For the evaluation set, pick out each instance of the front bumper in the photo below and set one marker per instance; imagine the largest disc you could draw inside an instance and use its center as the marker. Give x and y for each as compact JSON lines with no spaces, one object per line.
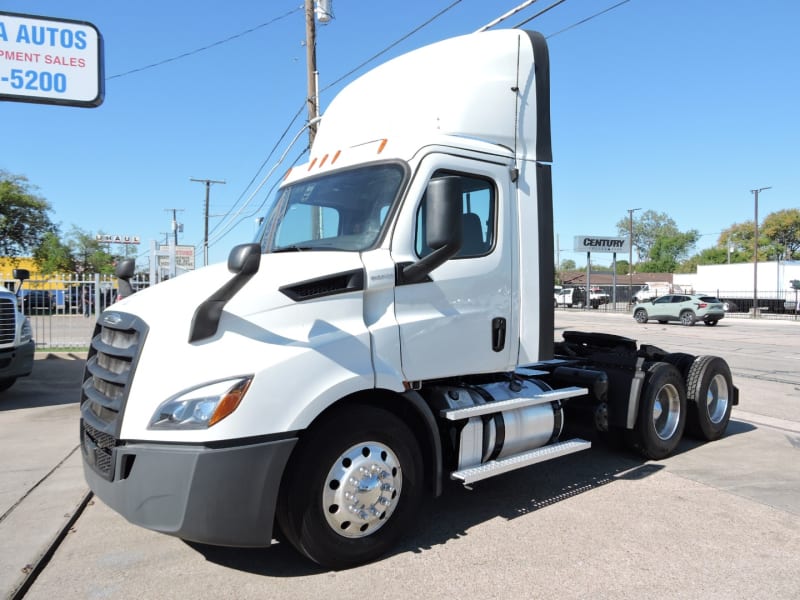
{"x":17,"y":362}
{"x":220,"y":496}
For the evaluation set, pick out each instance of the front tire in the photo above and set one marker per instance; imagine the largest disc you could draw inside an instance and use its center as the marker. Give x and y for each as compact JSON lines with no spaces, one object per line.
{"x":662,"y":412}
{"x":640,"y":316}
{"x":709,"y":388}
{"x":6,"y":383}
{"x":688,"y":318}
{"x":351,"y":488}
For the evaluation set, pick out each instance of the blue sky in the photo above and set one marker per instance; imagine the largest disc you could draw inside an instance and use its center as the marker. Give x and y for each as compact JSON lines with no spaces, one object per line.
{"x":680,"y":106}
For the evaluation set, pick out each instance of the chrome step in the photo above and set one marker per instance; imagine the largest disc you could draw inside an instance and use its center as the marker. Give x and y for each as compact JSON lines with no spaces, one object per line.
{"x":453,"y":414}
{"x":517,"y":461}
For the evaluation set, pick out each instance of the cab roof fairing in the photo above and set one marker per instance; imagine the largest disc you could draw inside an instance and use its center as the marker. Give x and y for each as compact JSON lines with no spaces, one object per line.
{"x":482,"y":86}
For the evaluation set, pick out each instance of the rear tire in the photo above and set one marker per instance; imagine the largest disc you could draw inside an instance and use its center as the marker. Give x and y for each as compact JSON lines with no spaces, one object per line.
{"x":709,"y":389}
{"x":352,"y":487}
{"x":687,"y":318}
{"x":6,"y":383}
{"x":662,"y":412}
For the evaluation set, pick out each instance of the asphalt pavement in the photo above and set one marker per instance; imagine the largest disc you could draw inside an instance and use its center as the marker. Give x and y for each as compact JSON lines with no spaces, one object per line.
{"x":718,"y":520}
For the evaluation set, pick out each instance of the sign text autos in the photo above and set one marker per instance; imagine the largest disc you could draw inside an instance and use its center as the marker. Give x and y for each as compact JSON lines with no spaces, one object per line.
{"x":51,"y":61}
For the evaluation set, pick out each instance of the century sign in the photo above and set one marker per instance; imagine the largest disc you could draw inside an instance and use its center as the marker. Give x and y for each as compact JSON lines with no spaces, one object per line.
{"x":596,"y":243}
{"x":50,"y":61}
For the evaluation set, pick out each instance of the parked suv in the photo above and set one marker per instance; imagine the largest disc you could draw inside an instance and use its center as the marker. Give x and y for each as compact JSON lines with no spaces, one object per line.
{"x":688,"y":309}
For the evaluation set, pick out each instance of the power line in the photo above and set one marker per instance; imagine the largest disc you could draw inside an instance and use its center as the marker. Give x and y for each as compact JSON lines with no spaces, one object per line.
{"x":204,"y":48}
{"x":283,"y":135}
{"x":589,"y":18}
{"x":392,"y":45}
{"x":539,"y":14}
{"x":231,"y":226}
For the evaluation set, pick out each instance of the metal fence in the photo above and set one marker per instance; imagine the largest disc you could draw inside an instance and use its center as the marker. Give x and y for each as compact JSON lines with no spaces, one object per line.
{"x":66,"y":319}
{"x":738,"y":304}
{"x":63,"y":309}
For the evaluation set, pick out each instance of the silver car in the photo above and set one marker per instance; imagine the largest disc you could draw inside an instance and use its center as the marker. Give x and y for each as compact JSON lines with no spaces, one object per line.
{"x":686,"y":308}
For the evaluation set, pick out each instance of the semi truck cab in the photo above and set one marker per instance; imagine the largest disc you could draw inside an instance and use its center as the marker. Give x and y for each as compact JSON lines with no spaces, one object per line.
{"x":390,"y":327}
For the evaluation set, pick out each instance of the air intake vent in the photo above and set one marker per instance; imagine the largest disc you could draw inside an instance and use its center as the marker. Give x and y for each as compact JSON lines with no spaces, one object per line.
{"x":329,"y":285}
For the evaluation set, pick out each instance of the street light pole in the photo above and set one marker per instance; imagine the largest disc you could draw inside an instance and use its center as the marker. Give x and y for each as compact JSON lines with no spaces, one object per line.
{"x":755,"y":252}
{"x":630,"y":252}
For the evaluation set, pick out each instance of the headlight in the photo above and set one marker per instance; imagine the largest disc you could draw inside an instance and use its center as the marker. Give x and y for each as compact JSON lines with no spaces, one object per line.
{"x":202,"y":407}
{"x":25,"y":333}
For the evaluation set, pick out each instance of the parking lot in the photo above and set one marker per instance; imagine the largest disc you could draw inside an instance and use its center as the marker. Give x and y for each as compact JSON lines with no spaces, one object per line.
{"x":720,"y":520}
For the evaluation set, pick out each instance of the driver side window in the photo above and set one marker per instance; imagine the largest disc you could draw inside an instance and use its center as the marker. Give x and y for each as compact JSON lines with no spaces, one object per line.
{"x":478,"y":219}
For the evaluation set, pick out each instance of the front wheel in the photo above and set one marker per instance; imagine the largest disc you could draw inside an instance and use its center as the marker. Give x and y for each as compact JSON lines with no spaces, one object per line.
{"x":662,"y":412}
{"x":709,"y":387}
{"x":640,"y":316}
{"x":351,"y":488}
{"x":687,"y":318}
{"x":6,"y":383}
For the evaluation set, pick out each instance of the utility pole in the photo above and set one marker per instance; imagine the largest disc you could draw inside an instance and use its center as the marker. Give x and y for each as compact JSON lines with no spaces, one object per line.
{"x":630,"y":253}
{"x":174,"y":222}
{"x":755,"y":252}
{"x":208,"y":183}
{"x":312,"y":74}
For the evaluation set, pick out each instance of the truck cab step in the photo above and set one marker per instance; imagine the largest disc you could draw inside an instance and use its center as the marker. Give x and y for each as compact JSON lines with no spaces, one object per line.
{"x":517,"y":461}
{"x":454,"y":414}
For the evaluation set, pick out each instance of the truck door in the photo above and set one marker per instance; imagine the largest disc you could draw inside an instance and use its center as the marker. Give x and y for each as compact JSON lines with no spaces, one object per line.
{"x":460,"y":320}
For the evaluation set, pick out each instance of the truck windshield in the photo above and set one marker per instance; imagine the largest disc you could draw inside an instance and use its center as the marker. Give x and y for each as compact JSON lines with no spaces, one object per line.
{"x":345,"y":210}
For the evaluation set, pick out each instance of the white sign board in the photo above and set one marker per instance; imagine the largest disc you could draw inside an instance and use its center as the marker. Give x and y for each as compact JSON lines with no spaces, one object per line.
{"x":50,"y":61}
{"x":105,"y":238}
{"x":596,"y":243}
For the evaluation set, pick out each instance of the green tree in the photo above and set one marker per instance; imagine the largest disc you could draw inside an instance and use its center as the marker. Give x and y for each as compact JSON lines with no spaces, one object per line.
{"x":53,"y":255}
{"x":567,"y":265}
{"x":668,"y":250}
{"x":23,"y":216}
{"x":647,"y":228}
{"x":89,"y":255}
{"x":782,"y":228}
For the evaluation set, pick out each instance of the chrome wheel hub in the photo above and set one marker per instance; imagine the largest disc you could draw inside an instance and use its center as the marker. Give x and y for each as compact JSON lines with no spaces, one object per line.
{"x":666,"y":412}
{"x":717,"y":399}
{"x":361,"y":489}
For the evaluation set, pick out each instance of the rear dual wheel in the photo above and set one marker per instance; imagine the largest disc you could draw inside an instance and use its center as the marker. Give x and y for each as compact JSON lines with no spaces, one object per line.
{"x":710,"y":392}
{"x":662,"y":412}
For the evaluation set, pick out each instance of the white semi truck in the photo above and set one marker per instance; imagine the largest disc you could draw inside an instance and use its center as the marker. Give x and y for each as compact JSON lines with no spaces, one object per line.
{"x":391,"y":328}
{"x":16,"y":336}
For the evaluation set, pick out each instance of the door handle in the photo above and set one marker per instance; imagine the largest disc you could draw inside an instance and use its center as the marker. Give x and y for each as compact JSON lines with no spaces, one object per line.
{"x":498,"y":334}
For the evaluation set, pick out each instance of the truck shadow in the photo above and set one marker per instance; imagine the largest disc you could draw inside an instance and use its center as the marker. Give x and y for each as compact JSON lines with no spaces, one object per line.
{"x":459,"y":509}
{"x":55,"y":380}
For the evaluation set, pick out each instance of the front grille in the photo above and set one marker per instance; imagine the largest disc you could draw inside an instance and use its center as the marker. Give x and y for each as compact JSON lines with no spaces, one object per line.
{"x":8,"y":320}
{"x":115,"y":348}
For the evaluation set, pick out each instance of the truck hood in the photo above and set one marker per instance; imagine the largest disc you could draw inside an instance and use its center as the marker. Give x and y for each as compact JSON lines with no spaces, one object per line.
{"x":171,"y":304}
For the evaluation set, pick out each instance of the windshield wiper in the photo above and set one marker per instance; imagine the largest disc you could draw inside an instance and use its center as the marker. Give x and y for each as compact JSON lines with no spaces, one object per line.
{"x":292,"y":248}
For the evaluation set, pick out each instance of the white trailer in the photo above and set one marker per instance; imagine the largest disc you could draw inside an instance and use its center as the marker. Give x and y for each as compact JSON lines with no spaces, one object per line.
{"x":733,"y":284}
{"x":391,"y":327}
